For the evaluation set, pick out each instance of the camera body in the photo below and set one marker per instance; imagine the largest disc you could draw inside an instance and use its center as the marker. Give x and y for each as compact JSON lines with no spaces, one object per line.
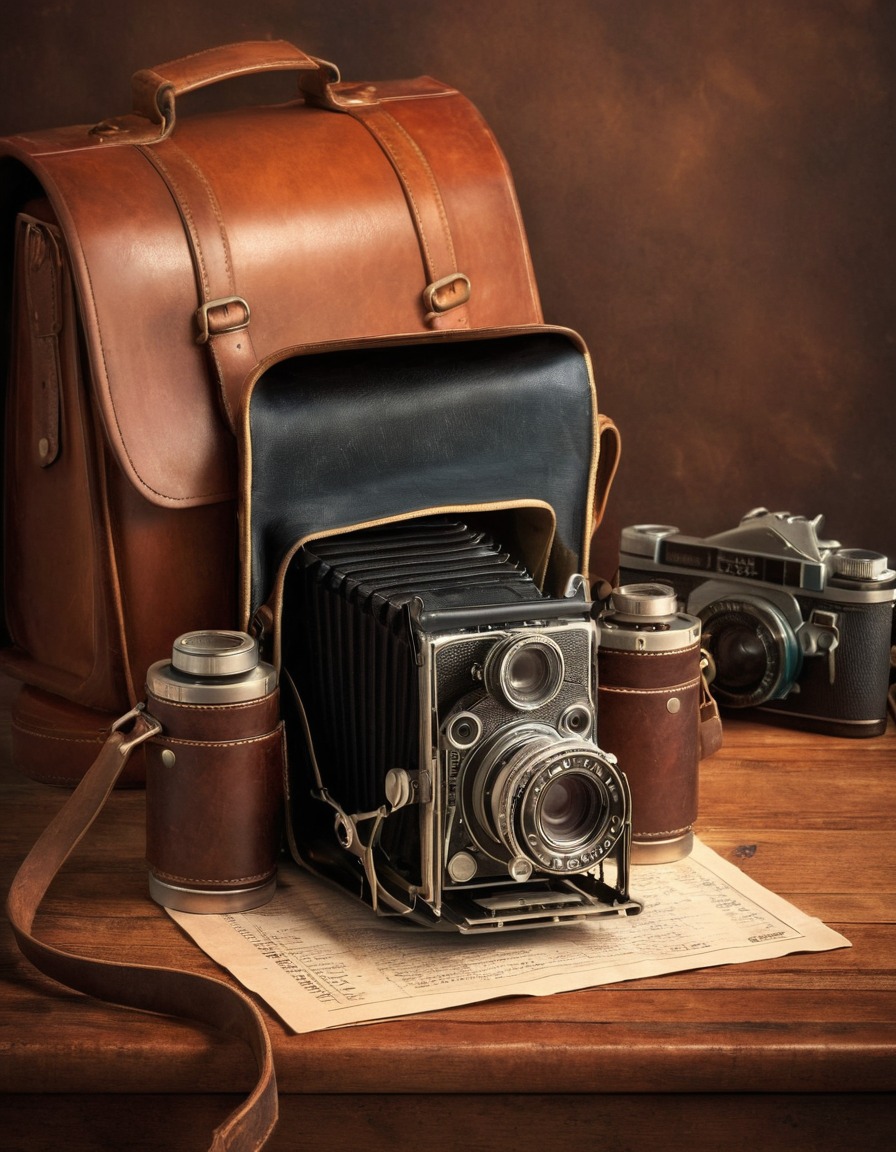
{"x":797,"y":628}
{"x":443,"y":762}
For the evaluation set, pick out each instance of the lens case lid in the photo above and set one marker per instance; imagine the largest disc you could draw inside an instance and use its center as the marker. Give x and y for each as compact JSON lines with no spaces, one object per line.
{"x":214,"y":652}
{"x":644,"y":601}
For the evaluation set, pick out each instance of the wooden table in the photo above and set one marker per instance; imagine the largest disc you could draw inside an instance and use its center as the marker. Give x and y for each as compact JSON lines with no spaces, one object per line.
{"x":796,"y":1053}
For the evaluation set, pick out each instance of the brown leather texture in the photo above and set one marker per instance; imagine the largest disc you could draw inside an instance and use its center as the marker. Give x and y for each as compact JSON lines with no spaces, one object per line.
{"x":59,"y":740}
{"x":299,"y":212}
{"x":709,"y":192}
{"x":658,"y":749}
{"x":214,"y":792}
{"x":154,"y":989}
{"x":169,"y":257}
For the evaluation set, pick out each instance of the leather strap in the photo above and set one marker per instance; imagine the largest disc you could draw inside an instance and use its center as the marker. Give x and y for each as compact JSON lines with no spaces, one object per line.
{"x":447,"y":288}
{"x":165,"y":990}
{"x":222,"y":318}
{"x":42,"y":263}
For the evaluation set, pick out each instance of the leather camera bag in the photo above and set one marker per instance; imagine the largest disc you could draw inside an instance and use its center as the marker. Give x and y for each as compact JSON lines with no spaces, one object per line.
{"x":149,"y":263}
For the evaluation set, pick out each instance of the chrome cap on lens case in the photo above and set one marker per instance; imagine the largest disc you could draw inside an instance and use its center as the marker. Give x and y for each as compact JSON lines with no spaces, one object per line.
{"x":212,"y":666}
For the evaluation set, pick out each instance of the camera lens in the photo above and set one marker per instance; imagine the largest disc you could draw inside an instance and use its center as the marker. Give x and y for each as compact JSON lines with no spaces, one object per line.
{"x":740,"y":657}
{"x":559,"y":803}
{"x":754,"y":650}
{"x":570,"y":811}
{"x":526,"y":672}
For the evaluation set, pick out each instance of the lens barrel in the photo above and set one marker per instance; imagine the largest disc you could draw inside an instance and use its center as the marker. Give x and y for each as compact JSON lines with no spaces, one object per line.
{"x":754,"y":650}
{"x":558,"y":804}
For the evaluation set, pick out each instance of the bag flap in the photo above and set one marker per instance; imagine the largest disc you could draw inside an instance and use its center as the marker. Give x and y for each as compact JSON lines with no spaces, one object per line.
{"x":337,"y":439}
{"x":302,"y":209}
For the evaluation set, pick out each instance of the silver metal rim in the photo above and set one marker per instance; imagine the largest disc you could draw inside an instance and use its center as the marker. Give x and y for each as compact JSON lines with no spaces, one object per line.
{"x":644,"y":601}
{"x":214,"y":652}
{"x":202,"y":901}
{"x":167,"y":683}
{"x":662,"y":851}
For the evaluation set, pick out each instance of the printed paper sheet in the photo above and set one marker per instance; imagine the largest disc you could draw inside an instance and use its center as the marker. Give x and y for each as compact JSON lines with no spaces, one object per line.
{"x":320,"y":959}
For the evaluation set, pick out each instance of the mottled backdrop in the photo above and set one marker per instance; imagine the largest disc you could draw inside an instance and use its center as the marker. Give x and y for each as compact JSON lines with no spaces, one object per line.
{"x":709,"y":191}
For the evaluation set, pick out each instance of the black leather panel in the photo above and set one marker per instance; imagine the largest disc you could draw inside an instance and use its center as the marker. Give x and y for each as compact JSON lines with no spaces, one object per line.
{"x":345,"y":437}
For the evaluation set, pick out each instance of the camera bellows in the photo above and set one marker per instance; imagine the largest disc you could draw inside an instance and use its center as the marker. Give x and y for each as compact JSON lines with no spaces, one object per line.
{"x":357,"y":666}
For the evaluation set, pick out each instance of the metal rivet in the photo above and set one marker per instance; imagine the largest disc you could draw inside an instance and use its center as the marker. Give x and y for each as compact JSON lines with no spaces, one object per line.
{"x":168,"y":758}
{"x":43,"y":447}
{"x":673,"y":704}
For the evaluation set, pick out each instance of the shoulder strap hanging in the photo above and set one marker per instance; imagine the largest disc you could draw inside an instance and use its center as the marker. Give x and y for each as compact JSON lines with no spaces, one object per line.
{"x":165,"y":990}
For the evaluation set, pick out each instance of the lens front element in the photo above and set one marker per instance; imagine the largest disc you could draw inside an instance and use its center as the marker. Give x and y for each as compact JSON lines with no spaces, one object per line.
{"x":755,"y":651}
{"x":570,"y":810}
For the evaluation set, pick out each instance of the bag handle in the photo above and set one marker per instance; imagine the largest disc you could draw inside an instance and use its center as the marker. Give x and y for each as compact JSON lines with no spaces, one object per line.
{"x":155,"y":90}
{"x":169,"y":990}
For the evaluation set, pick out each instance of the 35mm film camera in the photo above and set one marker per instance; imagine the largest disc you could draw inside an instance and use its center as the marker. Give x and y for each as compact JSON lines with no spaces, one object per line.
{"x":443,"y":761}
{"x":797,"y":627}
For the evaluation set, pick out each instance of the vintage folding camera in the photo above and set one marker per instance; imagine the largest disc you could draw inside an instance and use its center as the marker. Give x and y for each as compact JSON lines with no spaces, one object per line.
{"x":797,"y":627}
{"x":443,"y":763}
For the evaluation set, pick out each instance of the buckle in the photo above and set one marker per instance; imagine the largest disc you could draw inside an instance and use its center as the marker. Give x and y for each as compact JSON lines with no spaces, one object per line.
{"x":144,"y":729}
{"x":202,"y":315}
{"x":437,"y":298}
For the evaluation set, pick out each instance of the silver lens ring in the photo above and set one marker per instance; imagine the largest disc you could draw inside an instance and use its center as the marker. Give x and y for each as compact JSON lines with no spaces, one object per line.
{"x":214,"y":652}
{"x":463,"y":730}
{"x":559,"y":803}
{"x":637,"y":602}
{"x":576,"y":720}
{"x":524,"y":671}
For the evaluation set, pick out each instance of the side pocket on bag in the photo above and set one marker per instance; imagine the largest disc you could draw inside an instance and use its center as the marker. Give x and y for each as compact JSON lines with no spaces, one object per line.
{"x":56,"y":583}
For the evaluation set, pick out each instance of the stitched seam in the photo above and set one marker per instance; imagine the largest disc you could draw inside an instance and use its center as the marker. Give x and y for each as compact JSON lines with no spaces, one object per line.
{"x":219,"y":743}
{"x":228,"y":708}
{"x":650,"y":691}
{"x":205,"y":880}
{"x":382,"y":130}
{"x":216,"y":210}
{"x":661,"y":835}
{"x":655,"y":655}
{"x":42,"y":734}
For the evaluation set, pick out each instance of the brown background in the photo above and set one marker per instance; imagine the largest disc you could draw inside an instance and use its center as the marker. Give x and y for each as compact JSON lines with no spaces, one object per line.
{"x":708,"y":187}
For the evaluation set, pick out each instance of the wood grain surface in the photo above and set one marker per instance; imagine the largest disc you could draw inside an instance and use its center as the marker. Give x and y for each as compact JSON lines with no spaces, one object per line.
{"x":797,"y":1052}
